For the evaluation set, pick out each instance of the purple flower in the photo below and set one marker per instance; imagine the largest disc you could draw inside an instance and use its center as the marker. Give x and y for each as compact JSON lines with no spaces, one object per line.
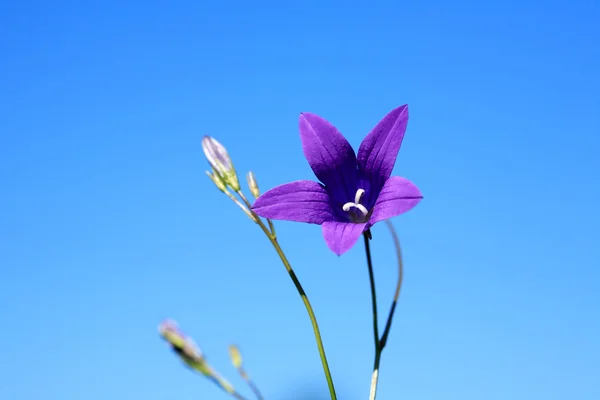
{"x":356,"y":191}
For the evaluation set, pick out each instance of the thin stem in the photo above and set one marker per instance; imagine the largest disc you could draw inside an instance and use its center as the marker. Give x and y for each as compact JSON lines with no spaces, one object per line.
{"x":388,"y":324}
{"x":250,"y":383}
{"x":309,"y":309}
{"x":373,"y":292}
{"x":271,"y":227}
{"x":301,"y":292}
{"x":375,"y":376}
{"x":226,"y":386}
{"x":255,"y":390}
{"x":238,"y":396}
{"x":240,"y":205}
{"x":380,"y":343}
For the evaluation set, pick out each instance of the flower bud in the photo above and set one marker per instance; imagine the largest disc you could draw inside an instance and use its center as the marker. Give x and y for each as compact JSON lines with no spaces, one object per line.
{"x":187,"y":350}
{"x":219,"y":159}
{"x":253,"y":185}
{"x":182,"y":345}
{"x":236,"y":356}
{"x":217,"y":180}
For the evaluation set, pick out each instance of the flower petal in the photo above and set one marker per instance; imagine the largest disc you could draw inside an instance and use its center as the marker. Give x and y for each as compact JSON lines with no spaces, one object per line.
{"x":378,"y":151}
{"x":341,"y":236}
{"x":398,"y":196}
{"x":330,"y":156}
{"x":300,"y":201}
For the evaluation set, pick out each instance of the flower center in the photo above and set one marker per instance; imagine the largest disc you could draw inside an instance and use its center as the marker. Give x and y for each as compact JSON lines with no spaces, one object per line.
{"x":356,"y":204}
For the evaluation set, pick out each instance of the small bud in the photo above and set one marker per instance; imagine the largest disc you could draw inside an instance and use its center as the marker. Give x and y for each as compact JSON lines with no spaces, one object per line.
{"x":219,"y":159}
{"x":217,"y":180}
{"x":182,"y":345}
{"x":187,"y":350}
{"x":253,"y":185}
{"x":235,"y":355}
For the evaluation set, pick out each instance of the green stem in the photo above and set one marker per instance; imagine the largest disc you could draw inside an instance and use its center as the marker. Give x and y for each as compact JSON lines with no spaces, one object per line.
{"x":373,"y":293}
{"x":378,"y":348}
{"x":226,"y":386}
{"x":388,"y":324}
{"x":240,"y":205}
{"x":255,"y":390}
{"x":250,"y":383}
{"x":380,"y":343}
{"x":271,"y":227}
{"x":375,"y":376}
{"x":300,"y":289}
{"x":238,"y":396}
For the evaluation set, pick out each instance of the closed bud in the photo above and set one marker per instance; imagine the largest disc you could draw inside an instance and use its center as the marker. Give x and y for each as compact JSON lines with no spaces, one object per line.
{"x":236,"y":356}
{"x":182,"y":345}
{"x":219,"y":159}
{"x":253,"y":185}
{"x":217,"y":180}
{"x":187,"y":350}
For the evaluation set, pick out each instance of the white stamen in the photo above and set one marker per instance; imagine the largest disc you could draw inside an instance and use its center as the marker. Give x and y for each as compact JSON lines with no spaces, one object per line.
{"x":362,"y":209}
{"x":359,"y":193}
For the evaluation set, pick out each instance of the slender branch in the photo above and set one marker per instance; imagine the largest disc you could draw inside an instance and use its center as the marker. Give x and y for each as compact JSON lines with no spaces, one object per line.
{"x":226,"y":386}
{"x":255,"y":390}
{"x":388,"y":324}
{"x":375,"y":376}
{"x":238,"y":396}
{"x":271,"y":227}
{"x":373,"y":292}
{"x":273,"y":239}
{"x":380,"y":343}
{"x":240,"y":205}
{"x":250,"y":383}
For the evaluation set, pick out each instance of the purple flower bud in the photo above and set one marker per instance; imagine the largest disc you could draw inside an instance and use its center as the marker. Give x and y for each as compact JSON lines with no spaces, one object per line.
{"x":181,"y":344}
{"x":219,"y":159}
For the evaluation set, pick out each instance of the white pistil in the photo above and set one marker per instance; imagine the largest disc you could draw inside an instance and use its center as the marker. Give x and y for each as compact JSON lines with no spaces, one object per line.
{"x":359,"y":193}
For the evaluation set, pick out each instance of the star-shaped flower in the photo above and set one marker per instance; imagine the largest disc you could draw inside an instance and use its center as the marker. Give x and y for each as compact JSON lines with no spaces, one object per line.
{"x":355,"y":191}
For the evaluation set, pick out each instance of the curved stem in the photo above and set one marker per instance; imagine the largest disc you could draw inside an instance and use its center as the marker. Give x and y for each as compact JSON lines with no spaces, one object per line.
{"x":300,"y":289}
{"x":388,"y":324}
{"x":380,"y":343}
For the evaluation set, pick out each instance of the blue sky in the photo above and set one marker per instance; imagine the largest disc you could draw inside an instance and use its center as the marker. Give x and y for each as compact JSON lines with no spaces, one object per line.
{"x":108,"y":224}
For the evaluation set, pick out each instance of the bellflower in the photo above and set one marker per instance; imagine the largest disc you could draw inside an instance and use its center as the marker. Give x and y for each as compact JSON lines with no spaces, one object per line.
{"x":356,"y":191}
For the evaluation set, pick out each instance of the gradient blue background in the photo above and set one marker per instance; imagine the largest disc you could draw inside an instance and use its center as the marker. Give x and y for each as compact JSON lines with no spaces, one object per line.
{"x":108,"y":223}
